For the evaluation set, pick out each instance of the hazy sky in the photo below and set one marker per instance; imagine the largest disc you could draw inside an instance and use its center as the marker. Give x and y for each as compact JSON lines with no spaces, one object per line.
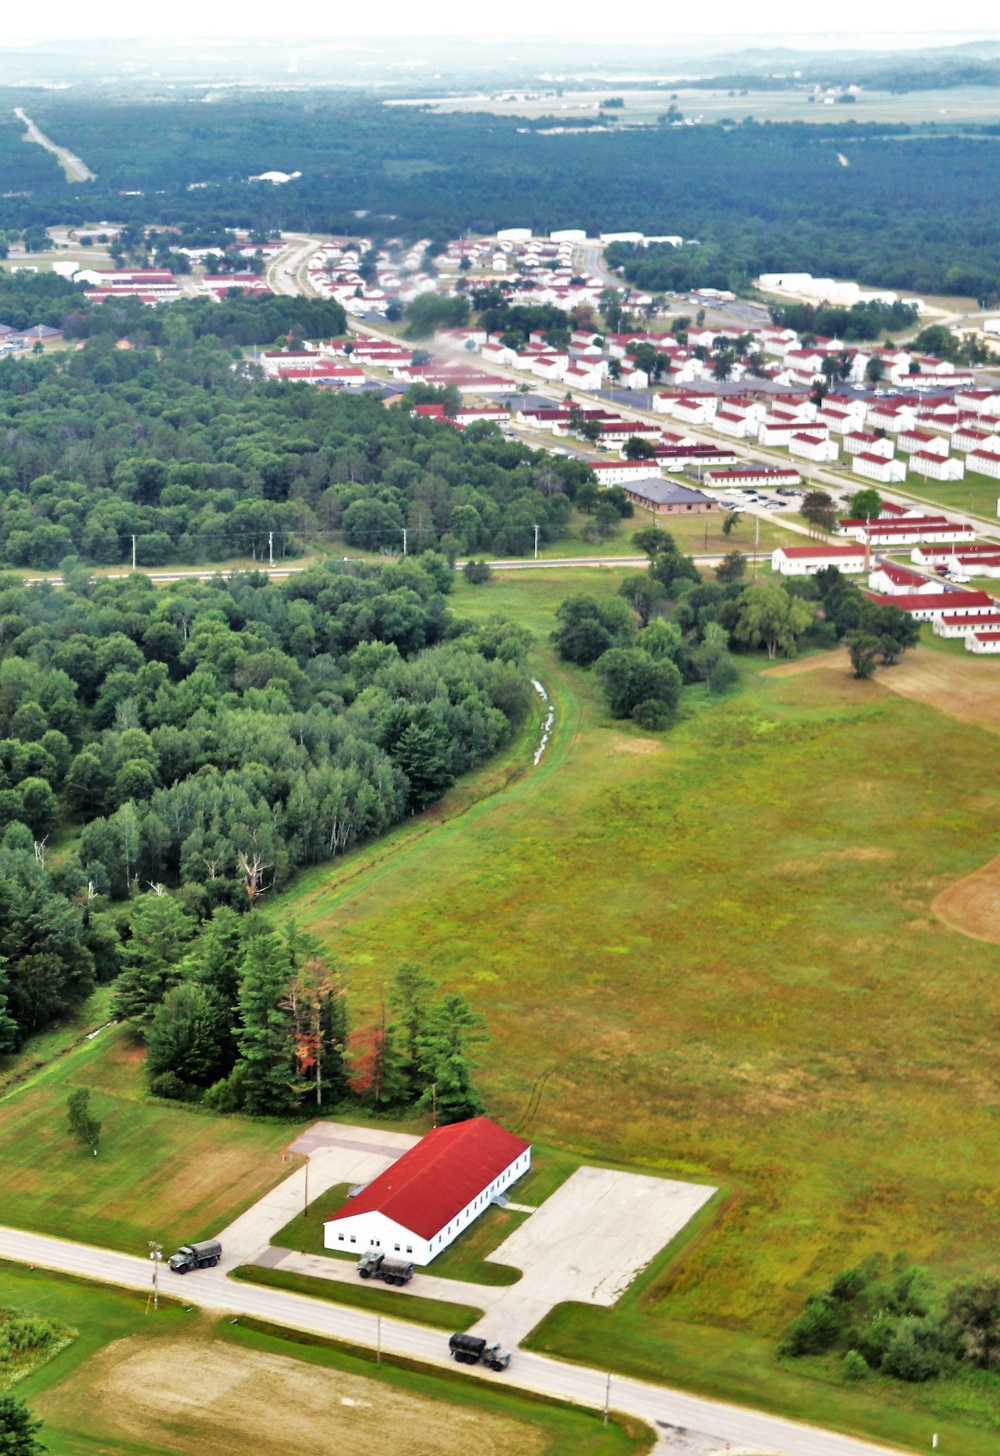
{"x":897,"y":22}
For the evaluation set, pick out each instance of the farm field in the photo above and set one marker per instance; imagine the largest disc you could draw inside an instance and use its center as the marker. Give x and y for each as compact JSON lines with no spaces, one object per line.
{"x":166,"y":1382}
{"x":714,"y":953}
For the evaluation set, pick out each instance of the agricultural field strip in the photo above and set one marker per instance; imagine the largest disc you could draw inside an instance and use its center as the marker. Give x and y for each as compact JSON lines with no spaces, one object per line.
{"x":210,"y":1289}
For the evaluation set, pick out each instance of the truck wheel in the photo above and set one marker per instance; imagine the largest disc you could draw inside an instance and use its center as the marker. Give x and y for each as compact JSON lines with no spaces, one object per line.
{"x":365,"y":1273}
{"x":212,"y":1262}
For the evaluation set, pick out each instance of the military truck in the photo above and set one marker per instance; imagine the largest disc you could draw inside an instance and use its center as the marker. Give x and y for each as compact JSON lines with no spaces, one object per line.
{"x":196,"y":1256}
{"x":374,"y":1264}
{"x":471,"y":1349}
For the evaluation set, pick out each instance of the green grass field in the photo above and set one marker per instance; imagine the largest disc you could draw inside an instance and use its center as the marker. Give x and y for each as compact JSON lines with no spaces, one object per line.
{"x":713,"y":953}
{"x":976,"y":493}
{"x":87,"y":1413}
{"x":695,"y":535}
{"x":164,"y":1171}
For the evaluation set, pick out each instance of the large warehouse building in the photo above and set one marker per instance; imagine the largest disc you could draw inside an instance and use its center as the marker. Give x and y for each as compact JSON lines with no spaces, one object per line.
{"x":419,"y":1205}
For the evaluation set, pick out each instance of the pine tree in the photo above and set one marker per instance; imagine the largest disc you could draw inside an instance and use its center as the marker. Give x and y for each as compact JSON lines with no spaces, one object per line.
{"x":266,"y":1035}
{"x":160,"y":930}
{"x":411,"y":996}
{"x":82,"y":1123}
{"x":445,"y":1064}
{"x":18,"y":1429}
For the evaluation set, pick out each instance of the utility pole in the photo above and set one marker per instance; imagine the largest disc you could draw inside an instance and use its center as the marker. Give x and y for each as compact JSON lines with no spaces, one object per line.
{"x":434,"y":1104}
{"x":305,"y":1204}
{"x":133,"y":553}
{"x":404,"y":540}
{"x":535,"y":529}
{"x":156,"y":1254}
{"x":378,"y":1339}
{"x":270,"y":547}
{"x":756,"y":544}
{"x":607,"y":1399}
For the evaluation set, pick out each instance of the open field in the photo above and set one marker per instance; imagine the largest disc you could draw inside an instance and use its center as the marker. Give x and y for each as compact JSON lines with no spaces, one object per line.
{"x":942,"y":673}
{"x":180,"y":1382}
{"x":689,"y":532}
{"x":957,"y":105}
{"x":972,"y":905}
{"x":713,"y":953}
{"x":164,"y":1171}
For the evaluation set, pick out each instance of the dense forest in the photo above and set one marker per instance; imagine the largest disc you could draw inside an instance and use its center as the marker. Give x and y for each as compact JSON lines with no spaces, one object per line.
{"x":185,"y":449}
{"x":758,"y":196}
{"x":215,"y":736}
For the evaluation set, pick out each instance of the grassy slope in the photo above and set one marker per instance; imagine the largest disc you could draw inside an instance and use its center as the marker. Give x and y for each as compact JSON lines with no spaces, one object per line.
{"x":101,"y":1315}
{"x":713,"y":954}
{"x":164,"y":1171}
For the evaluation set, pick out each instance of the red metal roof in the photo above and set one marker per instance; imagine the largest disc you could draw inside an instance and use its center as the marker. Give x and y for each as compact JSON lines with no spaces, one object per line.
{"x":429,"y":1185}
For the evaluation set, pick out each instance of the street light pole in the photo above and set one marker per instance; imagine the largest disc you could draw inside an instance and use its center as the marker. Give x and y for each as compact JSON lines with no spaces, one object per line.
{"x":305,"y":1206}
{"x":536,"y":542}
{"x":607,"y":1399}
{"x":156,"y":1254}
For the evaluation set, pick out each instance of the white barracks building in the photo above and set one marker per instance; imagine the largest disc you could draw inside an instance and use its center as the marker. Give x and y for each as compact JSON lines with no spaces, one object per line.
{"x":419,"y":1205}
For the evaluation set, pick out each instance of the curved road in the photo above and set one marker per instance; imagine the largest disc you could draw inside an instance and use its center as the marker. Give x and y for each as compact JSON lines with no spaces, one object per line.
{"x":662,"y":1408}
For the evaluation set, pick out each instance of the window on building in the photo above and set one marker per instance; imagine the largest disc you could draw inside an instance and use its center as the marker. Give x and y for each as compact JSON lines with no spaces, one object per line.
{"x":409,"y":1248}
{"x":396,"y":1247}
{"x":353,"y":1239}
{"x":340,"y":1237}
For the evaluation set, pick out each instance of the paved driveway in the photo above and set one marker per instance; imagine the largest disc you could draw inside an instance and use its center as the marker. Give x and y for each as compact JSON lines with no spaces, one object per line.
{"x":337,"y":1153}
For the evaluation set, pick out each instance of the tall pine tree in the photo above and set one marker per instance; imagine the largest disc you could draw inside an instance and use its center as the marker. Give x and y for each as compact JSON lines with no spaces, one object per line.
{"x":266,"y":1036}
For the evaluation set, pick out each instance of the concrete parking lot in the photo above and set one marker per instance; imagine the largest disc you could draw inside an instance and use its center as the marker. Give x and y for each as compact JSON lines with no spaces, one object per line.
{"x":587,"y":1243}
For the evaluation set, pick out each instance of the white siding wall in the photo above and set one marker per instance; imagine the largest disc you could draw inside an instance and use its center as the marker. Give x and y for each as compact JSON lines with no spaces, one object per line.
{"x":355,"y":1233}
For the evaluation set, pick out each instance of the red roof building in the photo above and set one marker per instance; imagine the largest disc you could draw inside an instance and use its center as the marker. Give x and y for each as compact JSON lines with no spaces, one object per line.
{"x":427,"y":1197}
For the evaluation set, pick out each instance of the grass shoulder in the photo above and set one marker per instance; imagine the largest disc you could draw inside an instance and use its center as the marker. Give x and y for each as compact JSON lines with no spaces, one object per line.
{"x":440,"y":1313}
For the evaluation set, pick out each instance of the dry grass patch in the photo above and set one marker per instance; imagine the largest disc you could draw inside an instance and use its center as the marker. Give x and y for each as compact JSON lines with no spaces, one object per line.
{"x":972,"y":905}
{"x":211,"y":1399}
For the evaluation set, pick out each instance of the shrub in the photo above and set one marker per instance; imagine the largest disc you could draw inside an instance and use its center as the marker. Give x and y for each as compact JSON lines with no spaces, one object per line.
{"x":815,"y":1330}
{"x":855,"y":1366}
{"x":477,"y":572}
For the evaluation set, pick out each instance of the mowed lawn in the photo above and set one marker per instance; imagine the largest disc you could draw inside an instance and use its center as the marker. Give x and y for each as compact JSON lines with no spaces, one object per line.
{"x":163,"y":1171}
{"x":713,"y":952}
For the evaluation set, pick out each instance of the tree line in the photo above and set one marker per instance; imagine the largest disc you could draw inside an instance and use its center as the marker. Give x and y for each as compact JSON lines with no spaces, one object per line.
{"x":214,"y":737}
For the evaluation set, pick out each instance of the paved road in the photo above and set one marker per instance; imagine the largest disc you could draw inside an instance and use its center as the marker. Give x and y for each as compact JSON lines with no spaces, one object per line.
{"x":75,"y":170}
{"x":661,"y":1407}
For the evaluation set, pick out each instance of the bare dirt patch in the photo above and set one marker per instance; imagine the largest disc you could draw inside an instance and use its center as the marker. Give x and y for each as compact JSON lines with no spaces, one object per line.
{"x":200,"y":1398}
{"x":972,"y":906}
{"x":966,"y":688}
{"x":636,"y":745}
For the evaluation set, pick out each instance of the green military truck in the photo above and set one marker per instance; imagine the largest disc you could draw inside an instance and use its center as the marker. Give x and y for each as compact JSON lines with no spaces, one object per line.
{"x":373,"y":1264}
{"x":471,"y":1349}
{"x":196,"y":1256}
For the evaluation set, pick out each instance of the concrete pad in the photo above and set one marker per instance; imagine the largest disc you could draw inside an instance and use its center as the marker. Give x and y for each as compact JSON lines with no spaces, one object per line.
{"x":591,"y":1238}
{"x":337,"y":1153}
{"x":587,"y":1243}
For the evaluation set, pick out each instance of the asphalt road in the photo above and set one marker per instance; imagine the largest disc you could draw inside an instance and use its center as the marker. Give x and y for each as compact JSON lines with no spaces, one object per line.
{"x":663,"y":1408}
{"x":75,"y":170}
